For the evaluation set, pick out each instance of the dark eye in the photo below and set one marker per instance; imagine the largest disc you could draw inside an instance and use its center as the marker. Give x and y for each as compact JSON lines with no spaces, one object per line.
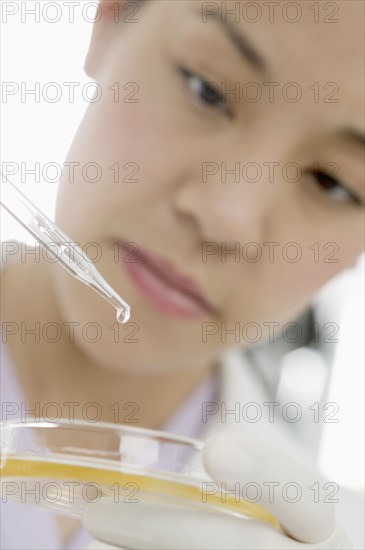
{"x":207,"y":93}
{"x":334,"y":188}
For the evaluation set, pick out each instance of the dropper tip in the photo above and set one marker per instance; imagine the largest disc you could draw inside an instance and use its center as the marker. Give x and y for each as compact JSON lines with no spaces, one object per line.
{"x":123,"y":315}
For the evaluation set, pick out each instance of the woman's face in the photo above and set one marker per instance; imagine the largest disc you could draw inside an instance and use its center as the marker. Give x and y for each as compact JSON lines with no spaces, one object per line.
{"x":242,"y":197}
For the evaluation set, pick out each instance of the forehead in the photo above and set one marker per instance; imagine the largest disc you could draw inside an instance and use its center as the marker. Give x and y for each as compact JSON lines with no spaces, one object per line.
{"x":327,"y":32}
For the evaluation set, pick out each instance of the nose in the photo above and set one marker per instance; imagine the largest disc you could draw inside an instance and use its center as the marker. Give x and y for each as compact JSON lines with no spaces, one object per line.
{"x":228,"y":200}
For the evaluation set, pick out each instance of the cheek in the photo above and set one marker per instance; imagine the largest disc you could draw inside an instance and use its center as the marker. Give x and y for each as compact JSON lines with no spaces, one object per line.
{"x":118,"y":144}
{"x":297,"y":282}
{"x":280,"y":289}
{"x":104,"y":170}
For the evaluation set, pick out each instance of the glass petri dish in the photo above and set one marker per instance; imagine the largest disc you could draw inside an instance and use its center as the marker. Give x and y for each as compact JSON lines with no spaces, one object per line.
{"x":64,"y":466}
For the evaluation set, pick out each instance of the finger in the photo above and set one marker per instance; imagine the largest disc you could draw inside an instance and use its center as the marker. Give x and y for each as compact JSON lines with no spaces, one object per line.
{"x":284,"y":486}
{"x":159,"y":526}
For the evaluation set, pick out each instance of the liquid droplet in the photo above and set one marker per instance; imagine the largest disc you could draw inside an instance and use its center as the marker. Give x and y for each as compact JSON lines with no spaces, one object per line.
{"x":123,"y":315}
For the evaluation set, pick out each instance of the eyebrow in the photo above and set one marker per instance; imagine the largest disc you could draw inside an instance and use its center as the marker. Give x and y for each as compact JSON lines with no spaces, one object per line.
{"x":242,"y":44}
{"x":248,"y":51}
{"x":354,"y":135}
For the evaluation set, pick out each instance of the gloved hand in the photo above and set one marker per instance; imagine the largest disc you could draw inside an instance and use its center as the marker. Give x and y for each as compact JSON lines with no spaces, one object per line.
{"x":309,"y":523}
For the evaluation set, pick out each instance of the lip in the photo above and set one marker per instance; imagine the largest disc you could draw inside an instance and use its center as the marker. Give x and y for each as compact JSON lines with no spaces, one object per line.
{"x":163,"y":286}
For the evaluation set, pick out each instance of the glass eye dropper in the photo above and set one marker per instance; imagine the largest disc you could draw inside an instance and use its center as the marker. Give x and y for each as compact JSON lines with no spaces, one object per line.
{"x":67,"y":253}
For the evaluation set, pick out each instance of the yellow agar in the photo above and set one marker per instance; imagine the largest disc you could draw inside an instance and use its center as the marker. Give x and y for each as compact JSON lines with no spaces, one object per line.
{"x":22,"y":468}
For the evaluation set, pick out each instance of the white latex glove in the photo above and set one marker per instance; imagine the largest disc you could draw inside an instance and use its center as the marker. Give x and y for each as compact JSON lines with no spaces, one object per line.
{"x":229,"y":458}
